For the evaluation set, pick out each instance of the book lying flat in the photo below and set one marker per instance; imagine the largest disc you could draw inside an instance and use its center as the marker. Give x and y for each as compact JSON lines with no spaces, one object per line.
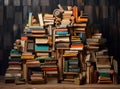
{"x":25,"y":57}
{"x":105,"y":82}
{"x":41,"y":40}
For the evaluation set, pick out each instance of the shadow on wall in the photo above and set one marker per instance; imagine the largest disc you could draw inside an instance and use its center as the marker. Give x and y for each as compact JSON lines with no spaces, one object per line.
{"x":4,"y":55}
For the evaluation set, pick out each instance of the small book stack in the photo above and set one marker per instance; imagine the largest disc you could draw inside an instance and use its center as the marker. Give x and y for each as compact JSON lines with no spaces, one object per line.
{"x":95,"y":41}
{"x":66,"y":18}
{"x":14,"y":69}
{"x":34,"y":27}
{"x":104,"y":67}
{"x":27,"y":56}
{"x":79,"y":37}
{"x":35,"y":75}
{"x":71,"y":61}
{"x":62,"y":39}
{"x":48,"y":65}
{"x":76,"y":43}
{"x":49,"y":19}
{"x":71,"y":65}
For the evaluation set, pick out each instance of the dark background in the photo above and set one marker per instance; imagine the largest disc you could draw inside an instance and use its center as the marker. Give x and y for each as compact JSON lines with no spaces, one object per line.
{"x":103,"y":15}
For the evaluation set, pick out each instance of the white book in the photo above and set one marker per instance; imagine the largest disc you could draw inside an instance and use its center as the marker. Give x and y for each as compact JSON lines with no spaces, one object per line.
{"x":40,"y":19}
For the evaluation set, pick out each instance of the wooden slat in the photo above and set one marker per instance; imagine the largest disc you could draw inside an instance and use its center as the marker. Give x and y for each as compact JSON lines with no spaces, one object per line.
{"x":16,"y":2}
{"x":10,"y":11}
{"x":89,"y":9}
{"x":63,"y":2}
{"x":1,"y":2}
{"x":104,"y":12}
{"x":27,"y":2}
{"x":18,"y":17}
{"x":1,"y":15}
{"x":44,"y":3}
{"x":103,"y":2}
{"x":6,"y":2}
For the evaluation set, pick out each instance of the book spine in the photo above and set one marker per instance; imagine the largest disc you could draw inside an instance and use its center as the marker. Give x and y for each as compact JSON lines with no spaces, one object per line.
{"x":66,"y":66}
{"x":30,"y":19}
{"x":40,"y":19}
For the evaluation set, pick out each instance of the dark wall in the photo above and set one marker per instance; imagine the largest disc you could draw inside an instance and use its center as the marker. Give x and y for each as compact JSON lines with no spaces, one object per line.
{"x":103,"y":15}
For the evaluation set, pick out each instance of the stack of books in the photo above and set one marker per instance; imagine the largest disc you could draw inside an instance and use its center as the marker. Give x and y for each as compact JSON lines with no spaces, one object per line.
{"x":34,"y":73}
{"x":76,"y":43}
{"x":66,"y":18}
{"x":71,"y":65}
{"x":71,"y":61}
{"x":14,"y":69}
{"x":34,"y":28}
{"x":42,"y":43}
{"x":104,"y":67}
{"x":48,"y":64}
{"x":27,"y":56}
{"x":36,"y":76}
{"x":62,"y":39}
{"x":48,"y":19}
{"x":95,"y":41}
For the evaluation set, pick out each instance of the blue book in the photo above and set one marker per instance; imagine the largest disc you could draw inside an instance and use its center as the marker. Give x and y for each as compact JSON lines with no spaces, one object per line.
{"x":15,"y":59}
{"x":66,"y":66}
{"x":41,"y":47}
{"x":61,"y":33}
{"x":30,"y":19}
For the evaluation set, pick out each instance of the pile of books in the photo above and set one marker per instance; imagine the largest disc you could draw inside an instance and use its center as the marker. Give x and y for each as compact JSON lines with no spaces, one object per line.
{"x":36,"y":76}
{"x":76,"y":43}
{"x":71,"y":61}
{"x":14,"y":69}
{"x":72,"y":65}
{"x":95,"y":41}
{"x":34,"y":73}
{"x":66,"y":18}
{"x":48,"y":19}
{"x":48,"y":64}
{"x":104,"y":67}
{"x":62,"y":39}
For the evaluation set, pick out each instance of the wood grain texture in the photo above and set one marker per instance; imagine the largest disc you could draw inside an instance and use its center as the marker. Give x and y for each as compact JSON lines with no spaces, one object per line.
{"x":1,"y":15}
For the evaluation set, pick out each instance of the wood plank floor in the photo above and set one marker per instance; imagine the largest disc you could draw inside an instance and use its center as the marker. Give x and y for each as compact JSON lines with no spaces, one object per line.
{"x":52,"y":84}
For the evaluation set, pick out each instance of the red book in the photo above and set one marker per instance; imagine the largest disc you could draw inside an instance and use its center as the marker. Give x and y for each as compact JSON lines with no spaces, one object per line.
{"x":50,"y":69}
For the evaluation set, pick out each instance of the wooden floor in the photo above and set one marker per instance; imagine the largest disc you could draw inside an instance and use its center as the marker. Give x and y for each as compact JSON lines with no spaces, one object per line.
{"x":52,"y":84}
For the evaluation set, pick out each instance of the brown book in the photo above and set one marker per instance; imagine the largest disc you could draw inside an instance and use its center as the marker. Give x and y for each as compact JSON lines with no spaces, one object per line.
{"x":75,"y":12}
{"x":38,"y":31}
{"x":105,"y":82}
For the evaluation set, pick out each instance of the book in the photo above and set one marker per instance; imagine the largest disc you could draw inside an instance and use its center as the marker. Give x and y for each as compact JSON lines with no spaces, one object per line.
{"x":77,"y":47}
{"x":75,"y":13}
{"x":41,"y":47}
{"x":42,"y":54}
{"x":30,"y":19}
{"x":40,"y":19}
{"x":41,"y":40}
{"x":60,"y":7}
{"x":27,"y":57}
{"x":79,"y":24}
